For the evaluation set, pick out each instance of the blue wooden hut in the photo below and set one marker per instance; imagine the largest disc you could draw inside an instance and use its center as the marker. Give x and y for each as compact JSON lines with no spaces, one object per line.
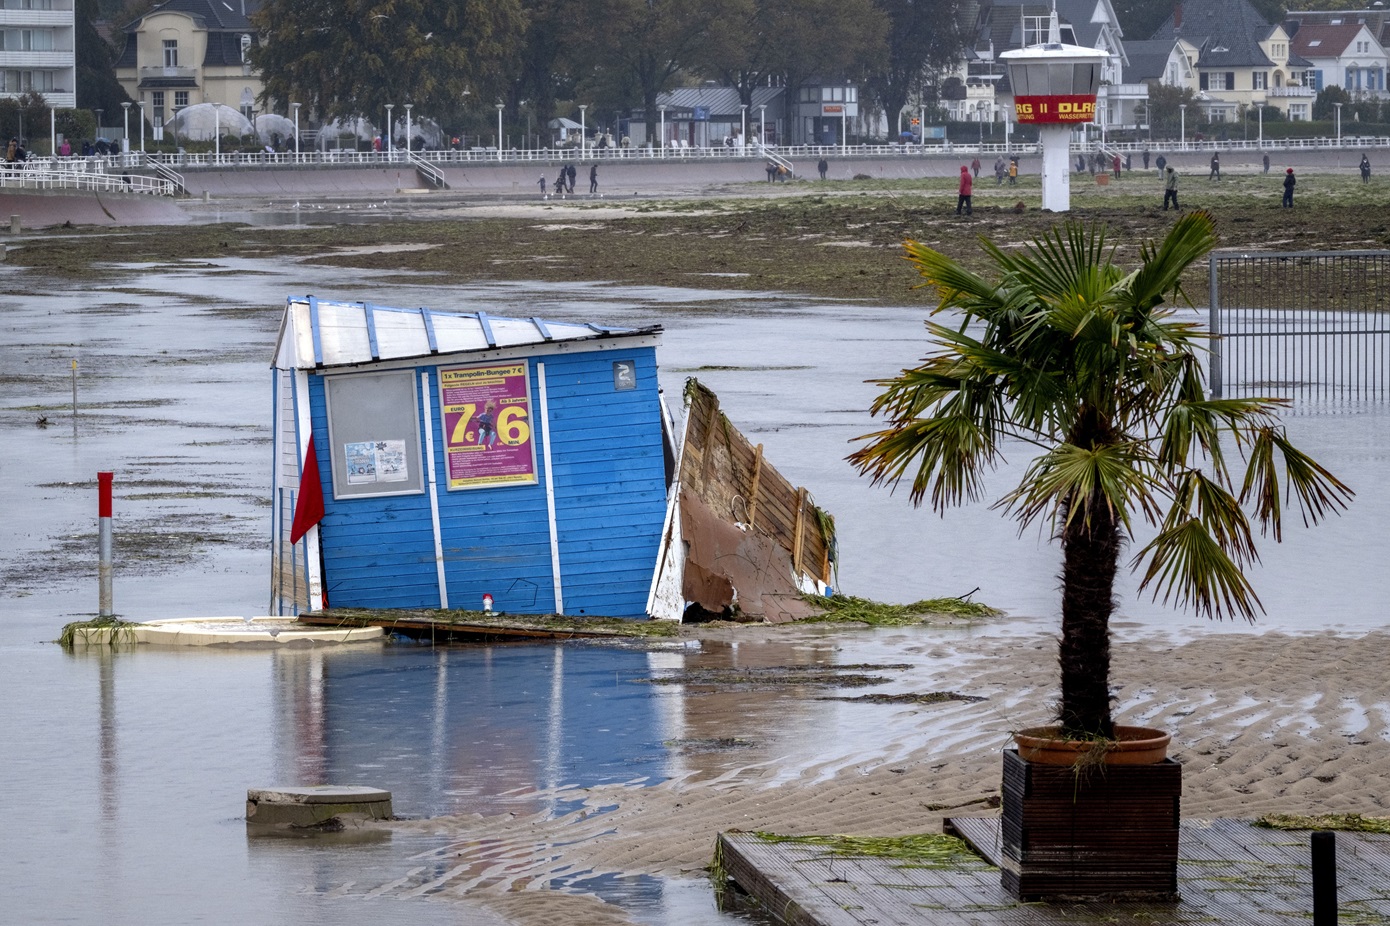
{"x":428,"y":459}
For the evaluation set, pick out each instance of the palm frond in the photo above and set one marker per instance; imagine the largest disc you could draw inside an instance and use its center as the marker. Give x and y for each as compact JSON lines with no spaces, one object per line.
{"x":1068,"y":482}
{"x":1317,"y":491}
{"x":1187,"y":564}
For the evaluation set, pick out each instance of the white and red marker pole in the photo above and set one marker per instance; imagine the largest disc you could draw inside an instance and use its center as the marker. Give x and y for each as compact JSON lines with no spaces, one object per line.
{"x":104,"y":532}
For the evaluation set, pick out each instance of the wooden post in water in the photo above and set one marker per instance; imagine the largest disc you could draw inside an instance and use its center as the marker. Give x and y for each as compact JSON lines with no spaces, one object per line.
{"x":104,"y":533}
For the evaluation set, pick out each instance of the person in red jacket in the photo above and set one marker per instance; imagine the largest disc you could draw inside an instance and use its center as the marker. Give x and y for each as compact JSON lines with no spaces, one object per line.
{"x":966,"y":187}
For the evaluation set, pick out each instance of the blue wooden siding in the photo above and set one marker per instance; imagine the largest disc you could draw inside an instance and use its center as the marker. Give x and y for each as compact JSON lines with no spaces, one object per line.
{"x":610,"y":498}
{"x":377,"y":552}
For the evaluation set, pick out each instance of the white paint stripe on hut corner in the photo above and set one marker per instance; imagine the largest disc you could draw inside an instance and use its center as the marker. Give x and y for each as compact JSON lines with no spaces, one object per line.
{"x":432,"y":486}
{"x":550,"y":494}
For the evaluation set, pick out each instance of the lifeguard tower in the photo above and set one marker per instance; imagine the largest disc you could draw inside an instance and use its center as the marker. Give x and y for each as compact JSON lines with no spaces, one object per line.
{"x":1055,"y":88}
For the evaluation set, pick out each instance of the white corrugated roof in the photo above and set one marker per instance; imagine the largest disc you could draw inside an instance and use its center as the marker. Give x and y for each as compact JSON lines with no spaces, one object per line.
{"x":318,"y":333}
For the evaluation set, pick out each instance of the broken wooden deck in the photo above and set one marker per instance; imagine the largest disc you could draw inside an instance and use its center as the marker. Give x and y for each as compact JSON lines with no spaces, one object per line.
{"x":1229,"y":871}
{"x":478,"y":627}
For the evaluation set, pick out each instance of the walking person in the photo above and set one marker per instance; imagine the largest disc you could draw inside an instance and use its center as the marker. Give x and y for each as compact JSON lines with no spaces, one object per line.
{"x":1160,"y":164}
{"x":1215,"y":166}
{"x":999,"y":170}
{"x":542,"y":183}
{"x":823,"y":166}
{"x":1115,"y":166}
{"x":1146,"y":158}
{"x":570,"y":173}
{"x":1266,"y":162}
{"x":1289,"y":183}
{"x":1170,"y":190}
{"x":975,"y":168}
{"x":1365,"y":168}
{"x":1013,"y":171}
{"x":967,"y":183}
{"x":593,"y":179}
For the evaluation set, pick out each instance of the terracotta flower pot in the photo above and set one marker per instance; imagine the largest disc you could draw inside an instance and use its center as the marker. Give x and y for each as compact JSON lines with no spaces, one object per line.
{"x":1131,"y":746}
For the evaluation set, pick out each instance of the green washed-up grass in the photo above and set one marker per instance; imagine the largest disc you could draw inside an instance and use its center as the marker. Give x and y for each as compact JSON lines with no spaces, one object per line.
{"x":1347,"y":822}
{"x":851,"y":609}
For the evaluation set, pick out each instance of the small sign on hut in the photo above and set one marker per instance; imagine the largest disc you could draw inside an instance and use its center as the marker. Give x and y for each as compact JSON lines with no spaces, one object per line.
{"x":439,"y":460}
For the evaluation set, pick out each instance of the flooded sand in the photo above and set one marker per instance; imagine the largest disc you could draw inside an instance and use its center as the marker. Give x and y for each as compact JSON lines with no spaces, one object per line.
{"x":128,"y":771}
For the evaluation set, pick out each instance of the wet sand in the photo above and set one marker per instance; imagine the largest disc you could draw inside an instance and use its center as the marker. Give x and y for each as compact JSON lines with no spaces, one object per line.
{"x":1262,"y":723}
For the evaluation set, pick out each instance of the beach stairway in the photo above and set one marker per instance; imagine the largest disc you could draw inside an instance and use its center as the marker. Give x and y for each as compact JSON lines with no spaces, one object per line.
{"x":430,"y":176}
{"x":165,"y":172}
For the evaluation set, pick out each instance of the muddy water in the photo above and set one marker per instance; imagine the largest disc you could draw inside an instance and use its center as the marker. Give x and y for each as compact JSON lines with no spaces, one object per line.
{"x":126,"y":774}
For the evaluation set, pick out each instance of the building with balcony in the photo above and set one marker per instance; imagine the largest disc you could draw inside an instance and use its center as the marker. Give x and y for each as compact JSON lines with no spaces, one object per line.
{"x":1227,"y":53}
{"x":37,"y":50}
{"x":1344,"y":52}
{"x":184,"y":52}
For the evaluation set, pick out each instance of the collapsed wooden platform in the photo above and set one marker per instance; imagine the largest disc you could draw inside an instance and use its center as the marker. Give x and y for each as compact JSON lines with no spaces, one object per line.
{"x":1229,"y":871}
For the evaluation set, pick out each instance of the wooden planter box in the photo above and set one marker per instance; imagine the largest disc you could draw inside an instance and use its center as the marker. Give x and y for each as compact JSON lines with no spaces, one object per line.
{"x":1107,"y":832}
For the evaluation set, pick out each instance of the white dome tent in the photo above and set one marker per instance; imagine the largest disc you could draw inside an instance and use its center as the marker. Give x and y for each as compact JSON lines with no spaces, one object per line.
{"x":268,"y":125}
{"x":200,"y":122}
{"x":331,"y":133}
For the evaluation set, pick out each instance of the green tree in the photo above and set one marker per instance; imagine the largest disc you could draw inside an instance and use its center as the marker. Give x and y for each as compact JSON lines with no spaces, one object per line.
{"x":1082,"y":360}
{"x":924,"y":37}
{"x":1323,"y":103}
{"x":1165,"y":116}
{"x":97,"y":87}
{"x":638,"y":47}
{"x":345,"y":58}
{"x":830,"y":39}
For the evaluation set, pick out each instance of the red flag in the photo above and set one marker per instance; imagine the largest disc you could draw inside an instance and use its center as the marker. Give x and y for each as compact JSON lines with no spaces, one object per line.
{"x":308,"y":509}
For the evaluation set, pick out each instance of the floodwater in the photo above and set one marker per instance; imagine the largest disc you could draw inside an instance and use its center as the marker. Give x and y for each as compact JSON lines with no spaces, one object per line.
{"x":126,"y":773}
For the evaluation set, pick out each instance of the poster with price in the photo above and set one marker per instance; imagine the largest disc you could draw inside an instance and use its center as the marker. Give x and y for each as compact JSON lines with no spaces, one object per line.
{"x":488,"y":427}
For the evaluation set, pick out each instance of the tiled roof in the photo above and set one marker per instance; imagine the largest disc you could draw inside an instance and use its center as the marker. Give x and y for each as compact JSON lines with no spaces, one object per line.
{"x":1148,"y":60}
{"x":1227,"y":32}
{"x":214,"y":15}
{"x":1317,"y":40}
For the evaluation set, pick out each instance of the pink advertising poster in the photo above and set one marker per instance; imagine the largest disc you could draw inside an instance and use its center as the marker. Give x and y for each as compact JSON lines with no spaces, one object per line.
{"x":488,"y":426}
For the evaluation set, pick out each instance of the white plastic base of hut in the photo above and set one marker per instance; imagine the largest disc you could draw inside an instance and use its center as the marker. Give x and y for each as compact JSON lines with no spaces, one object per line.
{"x":315,"y":806}
{"x":209,"y":631}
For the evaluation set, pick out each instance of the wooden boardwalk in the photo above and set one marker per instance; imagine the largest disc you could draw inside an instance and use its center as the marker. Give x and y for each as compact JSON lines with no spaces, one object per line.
{"x":1229,"y":871}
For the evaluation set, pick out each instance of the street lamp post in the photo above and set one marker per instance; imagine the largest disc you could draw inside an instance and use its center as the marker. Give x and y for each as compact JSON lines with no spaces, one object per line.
{"x":662,"y":139}
{"x":217,"y":131}
{"x":390,"y":131}
{"x":743,"y":126}
{"x":125,"y":127}
{"x":1182,"y":130}
{"x":980,"y":108}
{"x":1338,"y":108}
{"x":141,"y":104}
{"x":583,"y":129}
{"x":1261,"y":113}
{"x":407,"y":126}
{"x":21,"y":123}
{"x":294,"y":107}
{"x":762,"y":124}
{"x":500,"y":107}
{"x":53,"y":133}
{"x":844,"y":127}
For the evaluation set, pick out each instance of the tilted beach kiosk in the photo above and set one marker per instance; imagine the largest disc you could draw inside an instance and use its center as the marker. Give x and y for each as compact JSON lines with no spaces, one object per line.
{"x":437,"y":460}
{"x":1055,"y":87}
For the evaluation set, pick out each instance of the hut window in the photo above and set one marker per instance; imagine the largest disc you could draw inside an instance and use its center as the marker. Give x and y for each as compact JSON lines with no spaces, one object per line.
{"x":374,"y":433}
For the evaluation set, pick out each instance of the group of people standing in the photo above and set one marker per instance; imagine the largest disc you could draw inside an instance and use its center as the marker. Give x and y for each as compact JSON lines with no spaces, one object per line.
{"x":564,"y":180}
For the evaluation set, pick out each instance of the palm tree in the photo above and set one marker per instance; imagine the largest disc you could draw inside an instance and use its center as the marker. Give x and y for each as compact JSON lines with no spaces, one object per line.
{"x":1085,"y":362}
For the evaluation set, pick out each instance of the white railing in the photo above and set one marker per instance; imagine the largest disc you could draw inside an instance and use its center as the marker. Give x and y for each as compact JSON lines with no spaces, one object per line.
{"x":118,"y":164}
{"x":41,"y":176}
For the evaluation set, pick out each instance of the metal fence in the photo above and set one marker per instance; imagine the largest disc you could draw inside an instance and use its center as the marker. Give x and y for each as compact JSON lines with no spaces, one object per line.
{"x":1306,"y":325}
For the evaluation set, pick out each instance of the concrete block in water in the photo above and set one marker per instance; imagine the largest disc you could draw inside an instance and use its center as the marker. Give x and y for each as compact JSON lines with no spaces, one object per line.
{"x":315,"y":805}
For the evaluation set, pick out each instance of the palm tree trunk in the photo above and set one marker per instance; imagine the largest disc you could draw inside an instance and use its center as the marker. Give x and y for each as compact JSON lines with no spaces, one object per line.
{"x":1090,"y":555}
